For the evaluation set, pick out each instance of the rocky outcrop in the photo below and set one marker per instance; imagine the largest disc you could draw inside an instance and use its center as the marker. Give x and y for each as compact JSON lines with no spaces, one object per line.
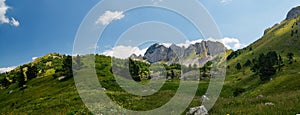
{"x":293,"y":13}
{"x":197,"y":53}
{"x":200,"y":110}
{"x":156,"y":53}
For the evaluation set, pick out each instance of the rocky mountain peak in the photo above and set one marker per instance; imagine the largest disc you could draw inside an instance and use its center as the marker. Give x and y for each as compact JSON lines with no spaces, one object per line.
{"x":293,"y":13}
{"x":197,"y":53}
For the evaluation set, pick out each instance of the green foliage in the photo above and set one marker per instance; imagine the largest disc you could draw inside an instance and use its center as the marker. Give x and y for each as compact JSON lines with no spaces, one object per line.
{"x":174,"y":66}
{"x":4,"y":82}
{"x":66,"y":69}
{"x":204,"y":71}
{"x":248,"y":63}
{"x":234,"y":54}
{"x":238,"y":91}
{"x":265,"y":66}
{"x":78,"y":63}
{"x":138,"y":70}
{"x":20,"y":78}
{"x":31,"y":72}
{"x":49,"y":73}
{"x":290,"y":57}
{"x":238,"y":66}
{"x":280,"y":63}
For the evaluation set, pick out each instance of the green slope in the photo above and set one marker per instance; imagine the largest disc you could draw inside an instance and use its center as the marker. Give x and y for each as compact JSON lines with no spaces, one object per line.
{"x":283,"y":90}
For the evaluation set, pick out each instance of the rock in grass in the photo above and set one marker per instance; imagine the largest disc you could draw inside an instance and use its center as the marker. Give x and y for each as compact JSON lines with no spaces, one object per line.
{"x":204,"y":98}
{"x":269,"y":104}
{"x":11,"y":91}
{"x":61,"y":78}
{"x":260,"y":96}
{"x":200,"y":110}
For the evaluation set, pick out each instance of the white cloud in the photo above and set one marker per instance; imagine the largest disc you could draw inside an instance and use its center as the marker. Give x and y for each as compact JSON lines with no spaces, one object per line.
{"x":124,"y":51}
{"x":3,"y":18}
{"x":225,"y":1}
{"x":14,"y":22}
{"x":186,"y":44}
{"x":155,"y":2}
{"x":33,"y":58}
{"x":7,"y":69}
{"x":230,"y":43}
{"x":110,"y":16}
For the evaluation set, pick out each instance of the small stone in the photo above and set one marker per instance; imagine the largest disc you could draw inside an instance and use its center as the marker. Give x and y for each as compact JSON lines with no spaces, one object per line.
{"x":61,"y":78}
{"x":269,"y":104}
{"x":260,"y":96}
{"x":204,"y":98}
{"x":200,"y":110}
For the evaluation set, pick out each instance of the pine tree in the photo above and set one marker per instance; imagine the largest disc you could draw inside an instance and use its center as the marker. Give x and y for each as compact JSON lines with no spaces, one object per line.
{"x":78,"y":62}
{"x":280,"y":63}
{"x":265,"y":66}
{"x":20,"y":78}
{"x":134,"y":70}
{"x":247,"y":64}
{"x":172,"y":74}
{"x":67,"y":67}
{"x":238,"y":66}
{"x":31,"y":72}
{"x":4,"y":82}
{"x":290,"y":57}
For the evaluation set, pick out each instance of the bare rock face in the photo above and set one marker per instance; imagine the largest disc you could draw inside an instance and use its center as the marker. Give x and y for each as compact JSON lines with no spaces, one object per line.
{"x":214,"y":48}
{"x":156,"y":53}
{"x":198,"y":53}
{"x":293,"y":13}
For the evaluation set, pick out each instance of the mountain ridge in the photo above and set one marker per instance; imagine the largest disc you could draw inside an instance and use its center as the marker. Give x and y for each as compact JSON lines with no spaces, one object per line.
{"x":195,"y":54}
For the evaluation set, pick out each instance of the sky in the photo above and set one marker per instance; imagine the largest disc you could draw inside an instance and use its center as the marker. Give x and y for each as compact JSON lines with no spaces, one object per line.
{"x":33,"y":28}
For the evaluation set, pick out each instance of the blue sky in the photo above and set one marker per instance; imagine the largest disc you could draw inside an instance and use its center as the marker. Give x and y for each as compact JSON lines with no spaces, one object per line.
{"x":33,"y":28}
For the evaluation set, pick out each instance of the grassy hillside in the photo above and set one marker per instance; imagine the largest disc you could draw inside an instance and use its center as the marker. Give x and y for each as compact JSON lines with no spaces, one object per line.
{"x":282,"y":89}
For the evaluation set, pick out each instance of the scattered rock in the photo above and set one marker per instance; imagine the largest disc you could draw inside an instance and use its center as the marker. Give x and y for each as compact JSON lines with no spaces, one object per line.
{"x":103,"y":89}
{"x":61,"y":78}
{"x":200,"y":110}
{"x":204,"y":98}
{"x":260,"y":96}
{"x":269,"y":104}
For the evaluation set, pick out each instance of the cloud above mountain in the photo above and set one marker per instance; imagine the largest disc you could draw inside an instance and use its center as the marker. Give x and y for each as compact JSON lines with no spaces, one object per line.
{"x":110,"y":16}
{"x":124,"y":51}
{"x":7,"y":69}
{"x":3,"y":18}
{"x":230,"y":43}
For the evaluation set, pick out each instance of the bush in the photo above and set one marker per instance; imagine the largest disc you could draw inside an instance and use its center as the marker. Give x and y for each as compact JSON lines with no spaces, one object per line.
{"x":238,"y":92}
